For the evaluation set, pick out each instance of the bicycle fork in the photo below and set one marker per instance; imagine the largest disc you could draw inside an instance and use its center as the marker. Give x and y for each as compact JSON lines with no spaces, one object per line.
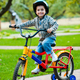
{"x":24,"y":58}
{"x":29,"y":52}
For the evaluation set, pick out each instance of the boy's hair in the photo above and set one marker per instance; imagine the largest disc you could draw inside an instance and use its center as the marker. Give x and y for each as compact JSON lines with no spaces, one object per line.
{"x":41,"y":2}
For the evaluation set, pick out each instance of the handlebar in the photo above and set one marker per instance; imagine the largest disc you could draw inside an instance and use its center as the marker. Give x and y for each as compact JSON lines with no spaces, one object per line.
{"x":12,"y":26}
{"x":28,"y":36}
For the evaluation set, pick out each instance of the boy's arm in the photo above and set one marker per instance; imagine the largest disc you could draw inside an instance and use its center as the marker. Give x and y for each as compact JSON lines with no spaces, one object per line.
{"x":53,"y":24}
{"x":27,"y":24}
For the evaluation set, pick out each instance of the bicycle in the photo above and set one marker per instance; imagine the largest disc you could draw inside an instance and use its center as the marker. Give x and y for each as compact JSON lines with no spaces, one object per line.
{"x":63,"y":67}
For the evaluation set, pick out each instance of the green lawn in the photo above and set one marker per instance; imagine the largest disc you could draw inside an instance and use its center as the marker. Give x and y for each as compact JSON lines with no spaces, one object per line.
{"x":69,"y":40}
{"x":14,"y":31}
{"x":60,"y":28}
{"x":8,"y":60}
{"x":69,"y":27}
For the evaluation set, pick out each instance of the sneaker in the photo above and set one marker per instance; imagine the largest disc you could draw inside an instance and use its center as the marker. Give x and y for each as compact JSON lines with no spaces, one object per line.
{"x":35,"y":71}
{"x":54,"y":57}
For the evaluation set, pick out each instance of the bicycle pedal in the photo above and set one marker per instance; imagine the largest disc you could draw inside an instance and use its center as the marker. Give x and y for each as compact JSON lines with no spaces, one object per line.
{"x":35,"y":73}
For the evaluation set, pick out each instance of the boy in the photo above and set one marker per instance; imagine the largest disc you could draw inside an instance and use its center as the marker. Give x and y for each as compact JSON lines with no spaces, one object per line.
{"x":42,"y":21}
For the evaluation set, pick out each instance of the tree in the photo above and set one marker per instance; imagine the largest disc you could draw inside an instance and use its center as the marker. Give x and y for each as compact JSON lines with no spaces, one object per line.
{"x":60,"y":8}
{"x":26,"y":8}
{"x":57,"y":8}
{"x":6,"y":7}
{"x":0,"y":25}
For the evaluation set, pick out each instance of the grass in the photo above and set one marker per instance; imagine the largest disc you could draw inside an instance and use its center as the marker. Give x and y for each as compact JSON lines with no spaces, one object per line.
{"x":14,"y":31}
{"x":69,"y":40}
{"x":69,"y":27}
{"x":60,"y":28}
{"x":10,"y":31}
{"x":8,"y":60}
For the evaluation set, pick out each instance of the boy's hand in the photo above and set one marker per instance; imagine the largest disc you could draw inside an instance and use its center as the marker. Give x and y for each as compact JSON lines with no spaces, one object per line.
{"x":49,"y":30}
{"x":12,"y":25}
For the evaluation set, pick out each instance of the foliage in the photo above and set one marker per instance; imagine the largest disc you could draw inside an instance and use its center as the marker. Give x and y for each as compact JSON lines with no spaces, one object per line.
{"x":71,"y":12}
{"x":57,"y":9}
{"x":4,"y":34}
{"x":23,"y":8}
{"x":2,"y":3}
{"x":5,"y":5}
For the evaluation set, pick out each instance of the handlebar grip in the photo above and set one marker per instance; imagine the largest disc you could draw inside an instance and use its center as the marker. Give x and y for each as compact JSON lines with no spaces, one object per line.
{"x":46,"y":31}
{"x":52,"y":32}
{"x":13,"y":26}
{"x":10,"y":26}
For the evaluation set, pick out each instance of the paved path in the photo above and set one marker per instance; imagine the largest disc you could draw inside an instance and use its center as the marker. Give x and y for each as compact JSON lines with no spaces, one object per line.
{"x":58,"y":34}
{"x":34,"y":47}
{"x":48,"y":77}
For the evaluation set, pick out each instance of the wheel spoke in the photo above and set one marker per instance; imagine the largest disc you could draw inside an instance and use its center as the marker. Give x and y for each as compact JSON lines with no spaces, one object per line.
{"x":18,"y":73}
{"x":61,"y":73}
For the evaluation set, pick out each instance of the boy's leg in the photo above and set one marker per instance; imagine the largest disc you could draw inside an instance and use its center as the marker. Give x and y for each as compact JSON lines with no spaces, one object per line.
{"x":38,"y":49}
{"x":47,"y":47}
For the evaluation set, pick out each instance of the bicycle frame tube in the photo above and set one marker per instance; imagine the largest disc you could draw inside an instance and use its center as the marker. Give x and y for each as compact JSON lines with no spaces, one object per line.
{"x":29,"y":52}
{"x":25,"y":68}
{"x":64,"y":51}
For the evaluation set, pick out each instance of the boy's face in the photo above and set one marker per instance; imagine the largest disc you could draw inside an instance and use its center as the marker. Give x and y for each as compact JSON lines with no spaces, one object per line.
{"x":40,"y":11}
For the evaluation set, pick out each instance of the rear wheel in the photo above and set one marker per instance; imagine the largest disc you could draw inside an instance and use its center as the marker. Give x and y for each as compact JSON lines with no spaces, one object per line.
{"x":19,"y":71}
{"x":64,"y":74}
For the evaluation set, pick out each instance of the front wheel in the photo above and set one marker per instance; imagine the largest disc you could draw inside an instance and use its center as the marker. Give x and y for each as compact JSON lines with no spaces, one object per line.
{"x":19,"y":69}
{"x":61,"y":73}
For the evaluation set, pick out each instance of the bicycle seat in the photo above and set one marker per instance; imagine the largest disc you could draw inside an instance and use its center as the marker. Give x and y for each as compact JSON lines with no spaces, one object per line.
{"x":54,"y":44}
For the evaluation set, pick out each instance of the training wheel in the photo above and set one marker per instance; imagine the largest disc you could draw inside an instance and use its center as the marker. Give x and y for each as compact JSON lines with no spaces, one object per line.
{"x":53,"y":77}
{"x":72,"y":77}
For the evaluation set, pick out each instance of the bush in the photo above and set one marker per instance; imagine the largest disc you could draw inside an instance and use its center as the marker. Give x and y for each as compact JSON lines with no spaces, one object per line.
{"x":4,"y":34}
{"x":66,"y":31}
